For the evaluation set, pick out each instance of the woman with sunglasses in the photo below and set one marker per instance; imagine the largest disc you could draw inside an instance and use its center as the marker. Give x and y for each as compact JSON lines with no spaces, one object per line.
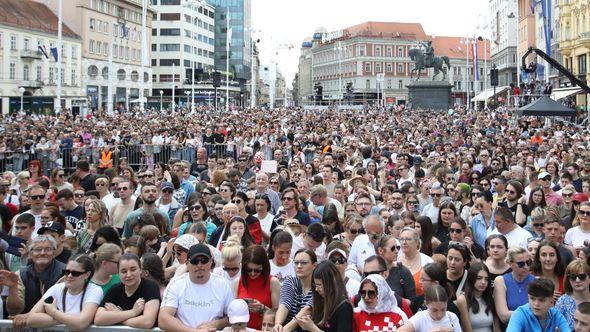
{"x":353,"y":227}
{"x":537,"y":220}
{"x":72,"y":302}
{"x":231,"y":258}
{"x":412,"y":204}
{"x":377,"y":308}
{"x":577,"y":290}
{"x":256,"y":285}
{"x":577,"y":199}
{"x":134,"y":302}
{"x":279,"y":255}
{"x":197,"y":212}
{"x":58,"y":180}
{"x":475,"y":177}
{"x":476,"y":304}
{"x":296,"y":292}
{"x":510,"y":289}
{"x":400,"y":278}
{"x":486,"y":184}
{"x":459,"y":234}
{"x":578,"y":235}
{"x":548,"y":263}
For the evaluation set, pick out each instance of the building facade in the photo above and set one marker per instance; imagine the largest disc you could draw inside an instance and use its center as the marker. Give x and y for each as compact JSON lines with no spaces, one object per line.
{"x":110,"y":27}
{"x":503,"y":49}
{"x":24,"y":27}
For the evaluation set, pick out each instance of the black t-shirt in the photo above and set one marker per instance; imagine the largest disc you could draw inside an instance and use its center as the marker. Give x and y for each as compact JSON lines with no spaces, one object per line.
{"x":74,"y":216}
{"x":148,"y":290}
{"x":88,"y":182}
{"x":64,"y":256}
{"x":341,"y":319}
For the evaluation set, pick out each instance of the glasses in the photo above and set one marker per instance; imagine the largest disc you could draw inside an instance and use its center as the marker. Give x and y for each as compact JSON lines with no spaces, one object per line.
{"x":584,"y":213}
{"x":114,"y":184}
{"x":242,"y":160}
{"x":477,"y":194}
{"x":523,"y":263}
{"x":60,"y":175}
{"x":547,"y":178}
{"x":37,"y":197}
{"x":435,"y":194}
{"x":100,"y":184}
{"x":257,"y":271}
{"x":168,"y":191}
{"x":195,"y":207}
{"x":406,"y":239}
{"x":231,"y":269}
{"x":237,"y":201}
{"x":511,"y":191}
{"x":338,"y":261}
{"x":368,"y":293}
{"x":40,"y":250}
{"x":356,"y":231}
{"x":455,"y":230}
{"x":573,"y":277}
{"x":567,"y":195}
{"x":177,"y":252}
{"x":273,"y":182}
{"x":302,"y":263}
{"x":395,"y":248}
{"x":288,"y":198}
{"x":122,"y":188}
{"x":200,"y":260}
{"x":78,"y":195}
{"x":537,"y":224}
{"x":73,"y":273}
{"x":366,"y":274}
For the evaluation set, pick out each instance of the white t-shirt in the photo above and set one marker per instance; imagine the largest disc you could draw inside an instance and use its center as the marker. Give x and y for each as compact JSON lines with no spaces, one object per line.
{"x":265,"y":223}
{"x":422,"y":322}
{"x":517,"y":237}
{"x":361,"y":249}
{"x":218,"y":271}
{"x":110,"y":200}
{"x":93,"y":295}
{"x":352,"y":287}
{"x":298,"y":244}
{"x":282,"y":272}
{"x":575,"y":237}
{"x":431,"y":212}
{"x":209,"y":300}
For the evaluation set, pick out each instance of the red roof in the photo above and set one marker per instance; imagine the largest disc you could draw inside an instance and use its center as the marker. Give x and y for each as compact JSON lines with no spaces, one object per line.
{"x":32,"y":16}
{"x":397,"y":30}
{"x":453,"y":48}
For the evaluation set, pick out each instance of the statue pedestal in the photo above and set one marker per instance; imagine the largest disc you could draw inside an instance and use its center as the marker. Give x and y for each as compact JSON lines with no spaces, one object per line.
{"x":429,"y":95}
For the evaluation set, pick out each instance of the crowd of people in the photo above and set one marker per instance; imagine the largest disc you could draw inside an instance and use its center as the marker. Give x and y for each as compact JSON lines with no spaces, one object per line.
{"x":292,"y":220}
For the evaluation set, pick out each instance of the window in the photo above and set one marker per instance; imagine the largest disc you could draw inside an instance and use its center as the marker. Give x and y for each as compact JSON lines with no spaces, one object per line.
{"x":360,"y":50}
{"x":389,"y":84}
{"x":187,"y":33}
{"x":187,"y":63}
{"x":12,"y":72}
{"x":13,"y":43}
{"x":169,"y":47}
{"x":92,"y":24}
{"x":105,"y":27}
{"x":170,"y":17}
{"x":26,"y":72}
{"x":133,"y":58}
{"x":115,"y":30}
{"x":74,"y":51}
{"x":121,"y":51}
{"x":154,"y":62}
{"x":400,"y":52}
{"x":187,"y":48}
{"x":105,"y":48}
{"x":98,"y":25}
{"x":377,"y":50}
{"x":105,"y":73}
{"x":154,"y":32}
{"x":368,"y":67}
{"x":115,"y":48}
{"x":121,"y":74}
{"x":400,"y":68}
{"x":459,"y":85}
{"x":73,"y":77}
{"x":154,"y":47}
{"x":169,"y":32}
{"x":170,"y":2}
{"x":52,"y":75}
{"x":91,"y":46}
{"x":368,"y":84}
{"x":169,"y":62}
{"x":134,"y":76}
{"x":99,"y":47}
{"x":400,"y":84}
{"x":126,"y":52}
{"x":38,"y":73}
{"x":26,"y":42}
{"x":582,"y":68}
{"x":388,"y":68}
{"x":378,"y":68}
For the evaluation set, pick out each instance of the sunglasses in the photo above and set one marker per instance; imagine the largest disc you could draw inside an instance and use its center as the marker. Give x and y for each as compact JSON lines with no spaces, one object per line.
{"x":395,"y":248}
{"x":73,"y":273}
{"x":567,"y":195}
{"x":370,"y":294}
{"x":249,"y":270}
{"x":288,"y":198}
{"x":547,"y":178}
{"x":78,"y":195}
{"x":584,"y":213}
{"x":195,"y":207}
{"x":366,"y":274}
{"x":356,"y":231}
{"x":122,"y":188}
{"x":231,"y":269}
{"x":338,"y":261}
{"x":237,"y":201}
{"x":199,"y":260}
{"x":435,"y":195}
{"x":537,"y":224}
{"x":168,"y":191}
{"x":523,"y":263}
{"x":37,"y":197}
{"x":455,"y":230}
{"x":582,"y":276}
{"x":477,"y":194}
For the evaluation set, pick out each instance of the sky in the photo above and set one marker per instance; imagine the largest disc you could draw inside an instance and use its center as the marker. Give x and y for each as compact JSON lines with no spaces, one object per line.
{"x":283,"y":23}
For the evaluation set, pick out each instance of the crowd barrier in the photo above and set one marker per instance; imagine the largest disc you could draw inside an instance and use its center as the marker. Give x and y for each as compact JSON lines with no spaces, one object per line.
{"x":6,"y":325}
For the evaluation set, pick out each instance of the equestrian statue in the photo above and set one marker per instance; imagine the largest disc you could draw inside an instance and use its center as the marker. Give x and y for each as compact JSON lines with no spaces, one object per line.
{"x":426,"y":59}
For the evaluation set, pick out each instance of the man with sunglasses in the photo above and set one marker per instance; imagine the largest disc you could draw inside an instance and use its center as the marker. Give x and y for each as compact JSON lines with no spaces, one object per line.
{"x":197,"y":299}
{"x":167,"y":203}
{"x":363,"y":245}
{"x":551,"y":197}
{"x":126,"y":205}
{"x":36,"y":203}
{"x":112,"y":197}
{"x":431,"y":210}
{"x":504,"y":224}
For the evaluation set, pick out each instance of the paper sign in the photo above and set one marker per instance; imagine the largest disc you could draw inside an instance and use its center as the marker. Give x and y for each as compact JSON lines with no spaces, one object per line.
{"x":269,"y":166}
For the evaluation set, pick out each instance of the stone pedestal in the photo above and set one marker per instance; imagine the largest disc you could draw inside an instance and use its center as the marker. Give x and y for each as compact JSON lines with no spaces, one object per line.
{"x":430,"y":95}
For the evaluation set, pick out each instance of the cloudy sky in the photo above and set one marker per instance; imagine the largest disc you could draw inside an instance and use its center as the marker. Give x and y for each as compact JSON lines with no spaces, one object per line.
{"x":288,"y":22}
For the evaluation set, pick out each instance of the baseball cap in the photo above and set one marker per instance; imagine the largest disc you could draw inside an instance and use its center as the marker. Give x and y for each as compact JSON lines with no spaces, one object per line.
{"x":337,"y":251}
{"x":316,"y":231}
{"x":166,"y":185}
{"x":238,"y":311}
{"x":199,"y":249}
{"x":186,"y":241}
{"x":580,"y":198}
{"x":53,"y":226}
{"x":542,"y":175}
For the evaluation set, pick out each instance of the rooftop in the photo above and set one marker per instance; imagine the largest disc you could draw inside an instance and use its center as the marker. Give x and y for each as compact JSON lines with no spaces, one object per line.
{"x":454,"y":49}
{"x":32,"y":16}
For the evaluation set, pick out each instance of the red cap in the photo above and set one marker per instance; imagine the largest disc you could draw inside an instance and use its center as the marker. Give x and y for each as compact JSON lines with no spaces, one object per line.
{"x":580,"y":197}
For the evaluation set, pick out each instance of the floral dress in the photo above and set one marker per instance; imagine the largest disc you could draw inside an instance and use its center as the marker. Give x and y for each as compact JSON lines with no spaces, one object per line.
{"x":567,"y":306}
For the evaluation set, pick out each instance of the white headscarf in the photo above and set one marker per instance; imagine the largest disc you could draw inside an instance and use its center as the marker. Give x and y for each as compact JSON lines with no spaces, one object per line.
{"x":386,"y":301}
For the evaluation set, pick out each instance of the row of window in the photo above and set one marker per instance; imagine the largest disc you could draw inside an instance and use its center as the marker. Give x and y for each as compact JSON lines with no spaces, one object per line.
{"x":121,"y":31}
{"x":196,"y":21}
{"x":187,"y":49}
{"x":176,"y":62}
{"x":26,"y":44}
{"x":112,"y":9}
{"x":388,"y":67}
{"x":121,"y":74}
{"x":38,"y":75}
{"x":199,"y":37}
{"x":119,"y":51}
{"x":201,"y":10}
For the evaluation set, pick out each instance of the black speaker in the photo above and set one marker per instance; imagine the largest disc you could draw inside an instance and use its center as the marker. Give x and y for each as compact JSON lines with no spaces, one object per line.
{"x":494,"y":77}
{"x":216,"y":79}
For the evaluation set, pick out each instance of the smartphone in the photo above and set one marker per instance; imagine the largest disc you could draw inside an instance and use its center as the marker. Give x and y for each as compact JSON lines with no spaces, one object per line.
{"x":49,"y":300}
{"x":14,"y":244}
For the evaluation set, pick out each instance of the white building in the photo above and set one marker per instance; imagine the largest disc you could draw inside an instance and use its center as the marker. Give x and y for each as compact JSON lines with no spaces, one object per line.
{"x":24,"y":26}
{"x":504,"y":25}
{"x":183,"y":37}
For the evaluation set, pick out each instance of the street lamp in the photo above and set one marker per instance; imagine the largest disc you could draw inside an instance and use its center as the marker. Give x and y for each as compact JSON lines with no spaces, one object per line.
{"x":209,"y":98}
{"x":161,"y":97}
{"x":22,"y":94}
{"x":466,"y":42}
{"x":339,"y":49}
{"x":380,"y":79}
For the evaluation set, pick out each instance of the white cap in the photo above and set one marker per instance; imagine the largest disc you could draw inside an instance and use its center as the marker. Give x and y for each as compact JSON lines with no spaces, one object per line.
{"x":238,"y":311}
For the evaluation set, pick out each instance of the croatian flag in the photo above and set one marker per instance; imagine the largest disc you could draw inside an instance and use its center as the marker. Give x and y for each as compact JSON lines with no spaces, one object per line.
{"x":43,"y":51}
{"x":474,"y":57}
{"x":54,"y":53}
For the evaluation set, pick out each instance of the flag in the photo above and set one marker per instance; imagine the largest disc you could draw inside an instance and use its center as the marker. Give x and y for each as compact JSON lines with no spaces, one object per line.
{"x":533,"y":8}
{"x":54,"y":53}
{"x":474,"y":56}
{"x":124,"y":31}
{"x":43,"y":51}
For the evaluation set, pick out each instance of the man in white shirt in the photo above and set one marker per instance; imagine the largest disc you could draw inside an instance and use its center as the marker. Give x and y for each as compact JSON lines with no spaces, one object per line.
{"x":431,"y":210}
{"x":505,"y":225}
{"x":312,"y":239}
{"x":319,"y":198}
{"x":364,"y":244}
{"x":197,"y":299}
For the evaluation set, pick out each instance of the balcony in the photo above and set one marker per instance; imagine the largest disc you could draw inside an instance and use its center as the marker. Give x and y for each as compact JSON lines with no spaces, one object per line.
{"x":32,"y":84}
{"x":584,"y":37}
{"x":30,"y":54}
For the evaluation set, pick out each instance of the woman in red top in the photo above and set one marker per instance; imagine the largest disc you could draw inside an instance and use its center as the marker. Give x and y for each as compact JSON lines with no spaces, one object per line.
{"x":548,"y":264}
{"x":256,"y":286}
{"x":377,"y":309}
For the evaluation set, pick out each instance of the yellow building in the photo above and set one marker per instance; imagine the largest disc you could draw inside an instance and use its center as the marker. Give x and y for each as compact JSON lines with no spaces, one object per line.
{"x":574,"y":44}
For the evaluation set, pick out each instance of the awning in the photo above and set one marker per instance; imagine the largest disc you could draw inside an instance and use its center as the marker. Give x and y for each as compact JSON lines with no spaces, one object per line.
{"x":489,"y":93}
{"x":561,"y":93}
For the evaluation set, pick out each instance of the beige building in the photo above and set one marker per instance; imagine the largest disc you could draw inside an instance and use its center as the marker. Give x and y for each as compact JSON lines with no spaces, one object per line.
{"x":110,"y":26}
{"x":24,"y":27}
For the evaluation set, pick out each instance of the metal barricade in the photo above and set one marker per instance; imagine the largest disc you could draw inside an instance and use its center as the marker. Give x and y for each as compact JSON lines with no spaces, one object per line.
{"x":6,"y":325}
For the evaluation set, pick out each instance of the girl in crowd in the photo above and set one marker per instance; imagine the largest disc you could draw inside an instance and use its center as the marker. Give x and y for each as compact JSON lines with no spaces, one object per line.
{"x":153,"y":269}
{"x":133,"y":302}
{"x":105,"y":234}
{"x":353,"y":226}
{"x":476,"y":305}
{"x":96,"y":217}
{"x":331,"y":220}
{"x":296,"y":291}
{"x":425,"y":229}
{"x":58,"y":180}
{"x":458,"y":259}
{"x":410,"y":256}
{"x":72,"y":302}
{"x":476,"y":191}
{"x":256,"y":285}
{"x":434,"y":274}
{"x":279,"y":252}
{"x":197,"y":212}
{"x":252,"y":223}
{"x":400,"y":278}
{"x":378,"y":307}
{"x":497,"y":248}
{"x":547,"y":263}
{"x":532,"y":246}
{"x":263,"y":205}
{"x":237,"y":227}
{"x":436,"y":317}
{"x":231,"y":258}
{"x":536,"y":199}
{"x":394,"y":225}
{"x":106,"y":259}
{"x":446,"y":215}
{"x":510,"y":289}
{"x":331,"y":310}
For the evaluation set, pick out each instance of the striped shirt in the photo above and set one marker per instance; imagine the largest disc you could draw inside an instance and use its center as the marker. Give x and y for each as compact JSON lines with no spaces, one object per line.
{"x":293,"y":298}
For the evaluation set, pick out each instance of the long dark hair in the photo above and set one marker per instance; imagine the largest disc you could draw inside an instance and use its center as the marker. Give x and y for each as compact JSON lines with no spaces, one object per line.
{"x":537,"y":268}
{"x":330,"y":216}
{"x":427,"y":230}
{"x":88,"y":265}
{"x":247,"y":239}
{"x":109,"y":234}
{"x":152,"y":264}
{"x":255,"y":254}
{"x":486,"y":295}
{"x":437,"y":273}
{"x":333,"y":289}
{"x":278,"y":237}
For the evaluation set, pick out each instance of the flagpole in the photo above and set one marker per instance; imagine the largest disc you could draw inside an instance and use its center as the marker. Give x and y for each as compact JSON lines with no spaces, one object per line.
{"x":59,"y":55}
{"x":193,"y":88}
{"x":173,"y":106}
{"x":143,"y":52}
{"x":110,"y":85}
{"x":228,"y":32}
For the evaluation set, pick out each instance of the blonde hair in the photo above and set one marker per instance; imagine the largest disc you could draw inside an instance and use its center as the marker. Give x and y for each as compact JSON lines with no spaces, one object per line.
{"x":512,"y":252}
{"x":101,"y":207}
{"x":106,"y":252}
{"x":232,"y":249}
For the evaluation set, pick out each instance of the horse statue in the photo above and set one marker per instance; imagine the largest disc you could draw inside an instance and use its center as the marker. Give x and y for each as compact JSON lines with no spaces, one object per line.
{"x":423,"y":62}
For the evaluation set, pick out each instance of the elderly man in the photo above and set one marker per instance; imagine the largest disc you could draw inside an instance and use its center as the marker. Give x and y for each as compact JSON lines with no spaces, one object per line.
{"x":229,"y":211}
{"x":42,"y":271}
{"x":431,"y":210}
{"x":364,"y":244}
{"x":319,"y":198}
{"x":197,"y":299}
{"x":263,"y":188}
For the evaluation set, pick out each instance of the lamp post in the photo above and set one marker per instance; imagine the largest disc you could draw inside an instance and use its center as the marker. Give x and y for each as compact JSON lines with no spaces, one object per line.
{"x":339,"y":49}
{"x":84,"y":104}
{"x":161,"y":99}
{"x":209,"y":99}
{"x":22,"y":94}
{"x":467,"y":97}
{"x":172,"y":104}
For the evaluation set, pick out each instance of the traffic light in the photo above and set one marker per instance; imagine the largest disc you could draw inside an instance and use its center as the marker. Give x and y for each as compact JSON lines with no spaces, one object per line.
{"x":494,"y":77}
{"x":318,"y":91}
{"x":216,"y":79}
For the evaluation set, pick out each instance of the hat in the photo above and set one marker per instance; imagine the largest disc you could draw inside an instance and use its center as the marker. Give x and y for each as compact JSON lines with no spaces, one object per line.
{"x":542,"y":175}
{"x":580,"y":197}
{"x":199,"y":249}
{"x":166,"y":185}
{"x":238,"y":311}
{"x":337,"y":251}
{"x":186,"y":241}
{"x":258,"y":157}
{"x":417,"y":160}
{"x":316,"y":231}
{"x":53,"y":226}
{"x":357,"y":178}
